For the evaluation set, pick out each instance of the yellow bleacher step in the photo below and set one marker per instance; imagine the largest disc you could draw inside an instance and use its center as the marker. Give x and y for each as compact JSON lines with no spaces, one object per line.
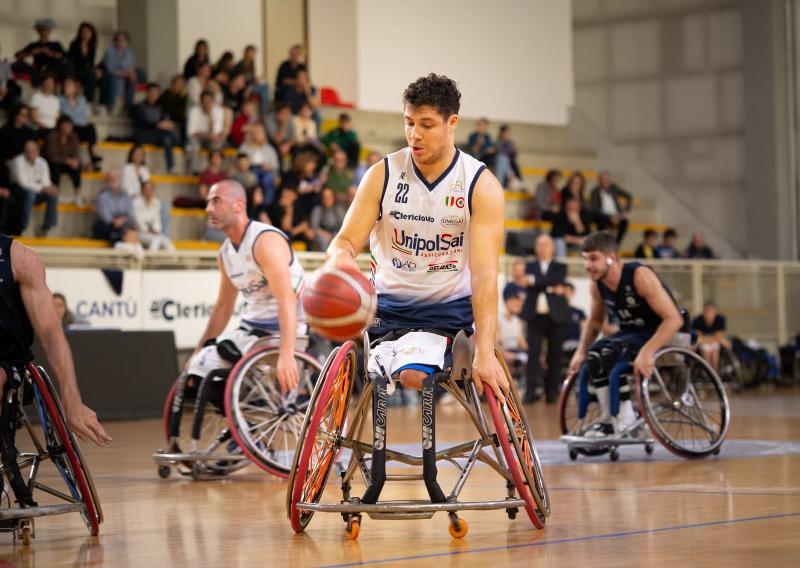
{"x":156,"y":178}
{"x":522,"y":224}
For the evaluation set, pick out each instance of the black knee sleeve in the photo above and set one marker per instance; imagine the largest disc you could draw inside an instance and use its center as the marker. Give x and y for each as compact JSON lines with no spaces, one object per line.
{"x":228,"y":351}
{"x":599,"y":364}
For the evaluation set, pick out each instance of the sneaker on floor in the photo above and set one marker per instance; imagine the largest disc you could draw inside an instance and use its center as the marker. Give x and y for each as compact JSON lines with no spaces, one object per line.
{"x":599,"y":430}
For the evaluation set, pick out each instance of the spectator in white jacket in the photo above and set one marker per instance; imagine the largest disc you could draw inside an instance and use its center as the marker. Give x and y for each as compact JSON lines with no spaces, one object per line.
{"x":31,"y":172}
{"x":205,"y":128}
{"x":147,"y":210}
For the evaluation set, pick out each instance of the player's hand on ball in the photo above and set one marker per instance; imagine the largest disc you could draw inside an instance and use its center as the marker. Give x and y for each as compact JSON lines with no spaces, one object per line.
{"x":287,"y":372}
{"x":341,"y":258}
{"x":487,"y":370}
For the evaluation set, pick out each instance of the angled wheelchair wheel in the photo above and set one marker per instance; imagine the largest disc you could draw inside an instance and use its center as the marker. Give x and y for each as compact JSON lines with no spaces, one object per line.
{"x":568,"y":419}
{"x":63,"y":450}
{"x":215,"y":437}
{"x":321,"y":433}
{"x":266,"y":424}
{"x":684,"y":403}
{"x":516,"y":440}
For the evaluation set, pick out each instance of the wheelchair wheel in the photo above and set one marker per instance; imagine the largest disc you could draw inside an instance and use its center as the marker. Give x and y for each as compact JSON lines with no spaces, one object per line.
{"x":516,"y":441}
{"x":321,"y":433}
{"x":63,"y":449}
{"x":568,"y":415}
{"x":264,"y":423}
{"x":214,"y":437}
{"x":685,"y":404}
{"x":730,"y":370}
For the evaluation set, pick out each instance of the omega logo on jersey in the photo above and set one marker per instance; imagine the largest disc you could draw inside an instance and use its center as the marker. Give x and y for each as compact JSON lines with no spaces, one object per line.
{"x":452,"y":201}
{"x":406,"y":217}
{"x":417,"y":245}
{"x":452,"y":221}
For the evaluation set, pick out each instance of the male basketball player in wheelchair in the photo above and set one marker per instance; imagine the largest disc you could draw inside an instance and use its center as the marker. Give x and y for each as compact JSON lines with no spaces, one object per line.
{"x":257,"y":261}
{"x":648,"y":319}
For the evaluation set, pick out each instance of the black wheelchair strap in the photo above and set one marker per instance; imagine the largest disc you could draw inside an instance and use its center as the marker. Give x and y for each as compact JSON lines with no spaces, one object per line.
{"x":8,"y":448}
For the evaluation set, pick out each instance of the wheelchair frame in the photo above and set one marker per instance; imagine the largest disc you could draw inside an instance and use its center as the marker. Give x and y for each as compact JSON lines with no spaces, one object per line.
{"x":198,"y":464}
{"x":489,"y":448}
{"x":55,"y":443}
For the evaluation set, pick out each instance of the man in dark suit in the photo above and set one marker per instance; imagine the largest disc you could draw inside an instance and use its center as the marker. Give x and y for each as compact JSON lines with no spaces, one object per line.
{"x":546,"y":311}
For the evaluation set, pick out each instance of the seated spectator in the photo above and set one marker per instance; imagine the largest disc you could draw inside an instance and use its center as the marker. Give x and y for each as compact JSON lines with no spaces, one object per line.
{"x":243,"y":121}
{"x":344,"y":138}
{"x":287,"y":72}
{"x":506,"y":167}
{"x":710,"y":327}
{"x":151,"y":125}
{"x":647,"y":248}
{"x":280,"y":129}
{"x":235,"y":92}
{"x":288,"y":214}
{"x":511,"y":340}
{"x":259,"y":87}
{"x":610,"y":205}
{"x":74,"y":105}
{"x":197,"y":85}
{"x":518,"y":282}
{"x":173,"y":100}
{"x":667,"y":247}
{"x":65,"y":315}
{"x":80,"y":60}
{"x":301,"y":93}
{"x":304,"y":178}
{"x":548,"y":196}
{"x":48,"y":56}
{"x":480,"y":143}
{"x":120,"y":67}
{"x":129,"y":243}
{"x":10,"y":91}
{"x":249,"y":180}
{"x":224,"y":64}
{"x":12,"y":203}
{"x":148,"y":212}
{"x":575,"y":188}
{"x":264,"y":161}
{"x":199,"y":57}
{"x":698,"y":247}
{"x":114,"y":211}
{"x":340,"y":178}
{"x":305,"y":136}
{"x":62,"y":150}
{"x":30,"y":172}
{"x":204,"y":129}
{"x":570,"y":228}
{"x":15,"y":133}
{"x":326,"y":219}
{"x":577,"y":321}
{"x":135,"y":172}
{"x":214,"y":173}
{"x":372,"y":159}
{"x":45,"y":106}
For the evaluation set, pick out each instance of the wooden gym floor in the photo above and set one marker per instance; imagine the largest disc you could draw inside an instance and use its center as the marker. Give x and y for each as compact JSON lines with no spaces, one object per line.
{"x":740,"y":509}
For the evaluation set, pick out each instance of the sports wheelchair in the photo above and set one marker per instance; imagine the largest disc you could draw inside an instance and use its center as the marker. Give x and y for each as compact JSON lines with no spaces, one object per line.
{"x":235,"y":416}
{"x":30,"y":397}
{"x":683,"y":405}
{"x":332,"y":429}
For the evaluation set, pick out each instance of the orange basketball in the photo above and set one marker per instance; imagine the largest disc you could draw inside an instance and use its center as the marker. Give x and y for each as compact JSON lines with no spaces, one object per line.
{"x":340,"y":303}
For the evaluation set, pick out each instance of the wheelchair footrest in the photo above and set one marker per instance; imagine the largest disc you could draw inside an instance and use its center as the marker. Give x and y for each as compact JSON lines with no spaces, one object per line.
{"x":592,"y":443}
{"x":407,"y":509}
{"x":166,"y":458}
{"x":43,"y":511}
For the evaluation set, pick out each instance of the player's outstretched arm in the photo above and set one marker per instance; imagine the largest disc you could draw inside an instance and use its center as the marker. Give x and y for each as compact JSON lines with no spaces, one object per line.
{"x":273,"y":254}
{"x":649,"y":287}
{"x":591,"y":329}
{"x":29,"y":273}
{"x":485,"y":240}
{"x":360,"y":218}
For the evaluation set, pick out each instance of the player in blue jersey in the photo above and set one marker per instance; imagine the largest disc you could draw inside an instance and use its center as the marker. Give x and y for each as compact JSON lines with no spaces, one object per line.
{"x":648,"y":320}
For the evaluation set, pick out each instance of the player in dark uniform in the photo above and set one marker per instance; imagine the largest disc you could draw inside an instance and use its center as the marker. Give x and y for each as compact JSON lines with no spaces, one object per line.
{"x":648,"y":320}
{"x":26,"y":308}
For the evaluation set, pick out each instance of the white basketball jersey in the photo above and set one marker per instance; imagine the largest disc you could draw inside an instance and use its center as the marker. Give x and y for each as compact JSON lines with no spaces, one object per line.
{"x":420,"y":244}
{"x":260,"y":308}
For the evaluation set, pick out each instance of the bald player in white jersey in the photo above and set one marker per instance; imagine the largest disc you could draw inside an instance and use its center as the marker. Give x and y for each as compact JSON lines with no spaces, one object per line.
{"x":258,"y":261}
{"x":434,"y":219}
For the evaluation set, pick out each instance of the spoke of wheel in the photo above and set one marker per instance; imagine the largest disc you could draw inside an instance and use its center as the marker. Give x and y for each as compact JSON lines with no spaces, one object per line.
{"x":695,"y":422}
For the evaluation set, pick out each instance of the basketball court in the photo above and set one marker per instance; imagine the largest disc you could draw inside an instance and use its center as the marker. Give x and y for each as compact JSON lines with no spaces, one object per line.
{"x":741,"y":508}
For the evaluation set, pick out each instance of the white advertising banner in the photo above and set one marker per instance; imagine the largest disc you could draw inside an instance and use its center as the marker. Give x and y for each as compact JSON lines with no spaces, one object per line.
{"x":177,"y":300}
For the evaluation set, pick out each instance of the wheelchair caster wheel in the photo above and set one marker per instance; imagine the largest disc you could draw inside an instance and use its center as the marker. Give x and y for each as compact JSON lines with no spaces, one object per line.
{"x":164,"y":471}
{"x":512,"y":513}
{"x":353,"y":528}
{"x":716,"y":452}
{"x":614,"y":455}
{"x":648,"y":448}
{"x":573,"y":455}
{"x":26,"y":535}
{"x":458,"y":528}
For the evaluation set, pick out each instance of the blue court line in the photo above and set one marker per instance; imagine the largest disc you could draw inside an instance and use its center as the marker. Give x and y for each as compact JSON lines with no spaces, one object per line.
{"x":623,"y":534}
{"x":688,"y":491}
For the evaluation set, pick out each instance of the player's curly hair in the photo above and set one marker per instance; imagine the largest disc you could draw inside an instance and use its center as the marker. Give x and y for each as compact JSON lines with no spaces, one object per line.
{"x":434,"y":90}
